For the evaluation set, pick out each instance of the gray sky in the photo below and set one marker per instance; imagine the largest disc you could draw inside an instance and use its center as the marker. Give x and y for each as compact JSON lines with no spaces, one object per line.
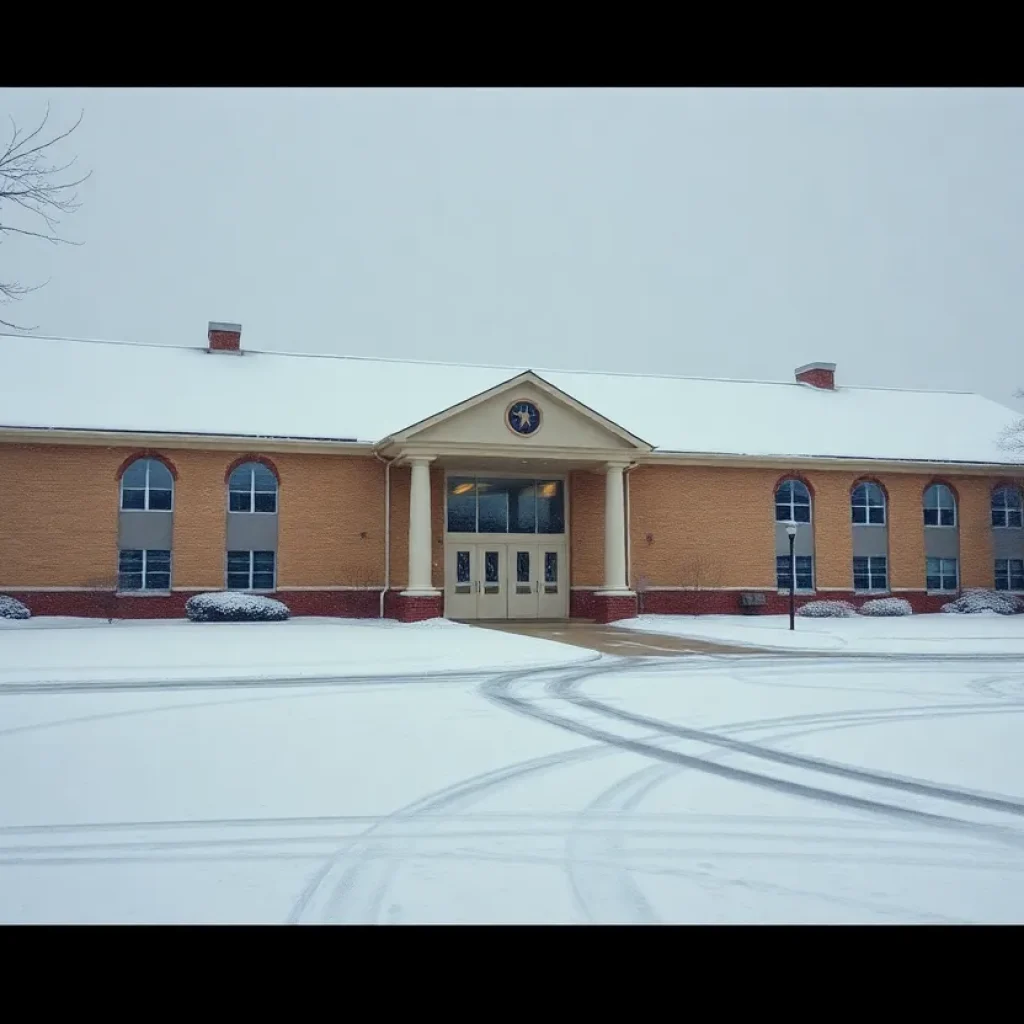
{"x":708,"y":232}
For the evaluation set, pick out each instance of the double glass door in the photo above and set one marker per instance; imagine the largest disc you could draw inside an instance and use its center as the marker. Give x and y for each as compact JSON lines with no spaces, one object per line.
{"x":506,"y":580}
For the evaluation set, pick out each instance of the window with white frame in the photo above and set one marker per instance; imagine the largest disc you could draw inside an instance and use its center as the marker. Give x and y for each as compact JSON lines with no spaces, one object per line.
{"x":1010,"y":574}
{"x":867,"y":504}
{"x":792,"y":502}
{"x":1007,"y":507}
{"x":941,"y":574}
{"x":939,"y":506}
{"x":870,"y":573}
{"x":146,"y":569}
{"x":804,"y":572}
{"x":252,"y":488}
{"x":147,"y":486}
{"x":251,"y":570}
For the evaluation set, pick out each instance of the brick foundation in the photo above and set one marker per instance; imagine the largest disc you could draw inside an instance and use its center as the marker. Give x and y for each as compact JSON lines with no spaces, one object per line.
{"x":727,"y":602}
{"x":612,"y":607}
{"x":345,"y":604}
{"x":412,"y":609}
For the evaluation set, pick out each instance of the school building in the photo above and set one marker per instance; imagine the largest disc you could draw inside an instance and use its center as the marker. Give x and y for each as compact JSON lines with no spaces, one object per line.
{"x":133,"y":476}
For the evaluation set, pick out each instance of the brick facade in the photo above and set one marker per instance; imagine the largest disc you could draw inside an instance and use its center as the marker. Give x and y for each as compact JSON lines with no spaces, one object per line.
{"x":698,"y":535}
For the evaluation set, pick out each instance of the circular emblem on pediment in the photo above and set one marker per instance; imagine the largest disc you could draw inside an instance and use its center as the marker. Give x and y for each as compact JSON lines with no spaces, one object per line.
{"x":523,"y":417}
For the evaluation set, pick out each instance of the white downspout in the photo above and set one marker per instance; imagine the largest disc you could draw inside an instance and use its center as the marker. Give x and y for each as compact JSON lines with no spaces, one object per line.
{"x":629,"y":558}
{"x":387,"y":530}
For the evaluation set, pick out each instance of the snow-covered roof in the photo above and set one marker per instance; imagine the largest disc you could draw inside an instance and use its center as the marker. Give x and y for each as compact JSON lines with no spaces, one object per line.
{"x":116,"y":386}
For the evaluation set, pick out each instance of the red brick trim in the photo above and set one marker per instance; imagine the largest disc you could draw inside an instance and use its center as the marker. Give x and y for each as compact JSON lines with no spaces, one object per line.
{"x":612,"y":607}
{"x":1005,"y":482}
{"x":261,"y":459}
{"x":147,"y":453}
{"x":413,"y":609}
{"x":100,"y":604}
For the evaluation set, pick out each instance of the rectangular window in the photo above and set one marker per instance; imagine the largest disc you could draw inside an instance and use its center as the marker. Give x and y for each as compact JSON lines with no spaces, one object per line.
{"x":941,"y":574}
{"x":550,"y":572}
{"x":463,"y":579}
{"x":517,"y":505}
{"x":804,"y":572}
{"x":144,"y":570}
{"x":251,"y":570}
{"x":1010,"y":574}
{"x":870,"y":573}
{"x":939,"y":517}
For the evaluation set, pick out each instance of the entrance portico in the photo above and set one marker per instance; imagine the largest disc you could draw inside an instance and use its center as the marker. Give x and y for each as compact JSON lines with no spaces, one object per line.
{"x":506,"y":459}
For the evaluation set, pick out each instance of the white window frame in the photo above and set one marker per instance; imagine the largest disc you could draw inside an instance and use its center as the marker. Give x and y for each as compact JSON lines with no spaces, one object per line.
{"x":941,"y":489}
{"x":148,"y":460}
{"x":251,"y":510}
{"x":799,"y":590}
{"x":792,"y":504}
{"x":941,"y":575}
{"x":145,"y":561}
{"x":252,"y":562}
{"x":1009,"y":575}
{"x":869,"y":559}
{"x":867,"y":506}
{"x":1006,"y":509}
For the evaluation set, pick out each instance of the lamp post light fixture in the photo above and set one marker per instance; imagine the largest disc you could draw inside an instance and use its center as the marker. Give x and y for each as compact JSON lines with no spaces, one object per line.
{"x":791,"y":534}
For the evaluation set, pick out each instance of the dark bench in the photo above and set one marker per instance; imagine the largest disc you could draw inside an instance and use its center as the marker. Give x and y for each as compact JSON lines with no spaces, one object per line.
{"x":751,"y":603}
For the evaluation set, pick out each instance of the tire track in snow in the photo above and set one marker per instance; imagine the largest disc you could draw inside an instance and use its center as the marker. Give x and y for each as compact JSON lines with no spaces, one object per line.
{"x":565,"y":687}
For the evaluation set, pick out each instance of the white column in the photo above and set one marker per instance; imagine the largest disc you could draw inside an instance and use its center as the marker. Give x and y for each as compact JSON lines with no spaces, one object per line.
{"x":420,"y":582}
{"x":614,"y":531}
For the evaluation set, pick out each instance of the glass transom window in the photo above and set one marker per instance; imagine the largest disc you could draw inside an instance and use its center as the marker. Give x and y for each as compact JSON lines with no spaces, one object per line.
{"x":792,"y":502}
{"x":499,"y":505}
{"x":939,"y":506}
{"x":147,"y":486}
{"x":252,"y":488}
{"x":867,"y":504}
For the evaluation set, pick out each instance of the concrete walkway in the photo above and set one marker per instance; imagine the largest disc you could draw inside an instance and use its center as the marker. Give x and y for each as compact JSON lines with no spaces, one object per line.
{"x":624,"y":642}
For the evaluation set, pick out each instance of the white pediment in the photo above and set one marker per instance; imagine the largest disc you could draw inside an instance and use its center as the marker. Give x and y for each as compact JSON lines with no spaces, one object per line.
{"x":483,"y":420}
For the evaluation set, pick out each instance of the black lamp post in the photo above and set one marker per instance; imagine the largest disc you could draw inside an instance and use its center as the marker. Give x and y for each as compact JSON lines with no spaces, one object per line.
{"x":791,"y":534}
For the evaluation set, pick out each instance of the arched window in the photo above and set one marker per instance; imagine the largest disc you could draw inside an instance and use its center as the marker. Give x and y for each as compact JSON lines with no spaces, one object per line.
{"x":1007,"y":506}
{"x":252,"y":488}
{"x":939,"y":506}
{"x":147,"y":485}
{"x":867,"y":504}
{"x":792,"y":502}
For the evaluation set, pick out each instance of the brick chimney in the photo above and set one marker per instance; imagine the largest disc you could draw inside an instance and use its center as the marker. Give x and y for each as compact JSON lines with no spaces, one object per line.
{"x":224,"y":337}
{"x":818,"y":375}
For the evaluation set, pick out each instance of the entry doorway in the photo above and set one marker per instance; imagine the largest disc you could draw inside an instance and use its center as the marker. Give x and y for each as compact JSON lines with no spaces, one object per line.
{"x":506,"y":579}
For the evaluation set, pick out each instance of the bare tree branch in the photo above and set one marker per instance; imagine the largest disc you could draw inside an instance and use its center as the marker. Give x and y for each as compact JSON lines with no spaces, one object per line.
{"x":32,"y":188}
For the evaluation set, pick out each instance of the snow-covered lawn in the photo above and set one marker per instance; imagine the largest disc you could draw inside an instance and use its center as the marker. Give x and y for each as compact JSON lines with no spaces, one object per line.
{"x":914,"y":634}
{"x":747,"y":789}
{"x":61,"y":650}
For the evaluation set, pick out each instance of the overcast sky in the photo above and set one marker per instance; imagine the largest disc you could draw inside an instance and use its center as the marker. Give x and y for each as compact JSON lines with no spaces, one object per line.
{"x":733,"y":233}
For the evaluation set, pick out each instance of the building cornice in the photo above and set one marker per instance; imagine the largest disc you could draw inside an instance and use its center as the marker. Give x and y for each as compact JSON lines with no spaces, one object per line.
{"x":391,"y":447}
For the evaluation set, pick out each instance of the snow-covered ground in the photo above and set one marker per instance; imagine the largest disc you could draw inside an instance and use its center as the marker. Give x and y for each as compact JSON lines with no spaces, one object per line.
{"x":54,"y":650}
{"x":937,"y":634}
{"x":743,"y":789}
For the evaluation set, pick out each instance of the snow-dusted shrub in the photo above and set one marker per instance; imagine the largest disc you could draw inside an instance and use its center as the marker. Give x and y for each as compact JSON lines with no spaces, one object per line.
{"x":11,"y":608}
{"x":974,"y":602}
{"x":827,"y":610}
{"x":886,"y":606}
{"x":234,"y":607}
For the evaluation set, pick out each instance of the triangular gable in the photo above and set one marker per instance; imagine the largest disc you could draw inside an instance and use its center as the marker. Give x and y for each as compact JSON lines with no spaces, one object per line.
{"x":565,"y":422}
